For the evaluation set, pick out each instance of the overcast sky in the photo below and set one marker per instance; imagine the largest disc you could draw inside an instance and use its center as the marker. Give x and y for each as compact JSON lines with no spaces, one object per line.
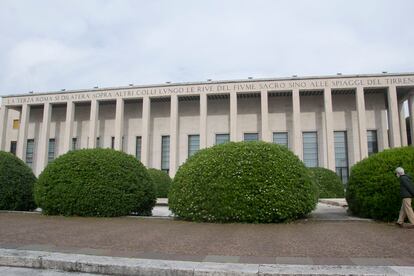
{"x":50,"y":45}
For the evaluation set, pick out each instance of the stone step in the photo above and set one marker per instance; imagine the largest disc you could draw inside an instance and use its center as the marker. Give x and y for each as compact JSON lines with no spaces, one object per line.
{"x":130,"y":266}
{"x":162,"y":202}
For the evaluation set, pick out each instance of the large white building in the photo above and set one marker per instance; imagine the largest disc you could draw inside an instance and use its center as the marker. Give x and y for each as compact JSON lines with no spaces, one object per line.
{"x":331,"y":122}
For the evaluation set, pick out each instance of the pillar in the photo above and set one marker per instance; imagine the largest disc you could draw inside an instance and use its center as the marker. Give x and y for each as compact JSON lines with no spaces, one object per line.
{"x":93,"y":124}
{"x":43,"y":145}
{"x":3,"y":126}
{"x":393,"y":117}
{"x":411,"y":110}
{"x":22,"y":138}
{"x":70,"y":117}
{"x":362,"y":129}
{"x":119,"y":124}
{"x":145,"y":143}
{"x":233,"y":117}
{"x":383,"y":136}
{"x":265,"y":116}
{"x":173,"y":134}
{"x":403,"y":127}
{"x":329,"y":139}
{"x":203,"y":121}
{"x":296,"y":125}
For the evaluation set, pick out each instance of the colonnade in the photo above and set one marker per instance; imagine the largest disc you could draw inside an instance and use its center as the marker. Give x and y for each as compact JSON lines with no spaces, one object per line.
{"x":396,"y":122}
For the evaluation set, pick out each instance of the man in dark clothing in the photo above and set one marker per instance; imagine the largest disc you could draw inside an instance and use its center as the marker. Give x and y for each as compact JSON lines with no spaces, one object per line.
{"x":407,"y":193}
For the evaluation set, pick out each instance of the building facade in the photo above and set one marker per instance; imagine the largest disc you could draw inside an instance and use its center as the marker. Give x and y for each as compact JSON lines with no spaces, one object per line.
{"x":330,"y":122}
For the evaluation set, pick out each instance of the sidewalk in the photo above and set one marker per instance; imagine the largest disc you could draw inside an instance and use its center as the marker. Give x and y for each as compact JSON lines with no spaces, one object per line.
{"x":327,"y":209}
{"x":328,"y":237}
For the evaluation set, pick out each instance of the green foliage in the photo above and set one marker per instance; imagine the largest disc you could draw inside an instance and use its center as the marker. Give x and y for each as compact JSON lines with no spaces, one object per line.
{"x":373,"y":189}
{"x":16,"y":184}
{"x":162,"y":182}
{"x":328,"y":183}
{"x":95,"y":182}
{"x":242,"y":182}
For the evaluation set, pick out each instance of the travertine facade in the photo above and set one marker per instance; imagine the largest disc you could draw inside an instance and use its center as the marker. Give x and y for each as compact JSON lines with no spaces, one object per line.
{"x":135,"y":118}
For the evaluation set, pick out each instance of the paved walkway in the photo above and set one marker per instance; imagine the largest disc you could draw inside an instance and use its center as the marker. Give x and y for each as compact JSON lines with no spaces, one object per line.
{"x":328,"y":242}
{"x":328,"y":236}
{"x":327,"y":209}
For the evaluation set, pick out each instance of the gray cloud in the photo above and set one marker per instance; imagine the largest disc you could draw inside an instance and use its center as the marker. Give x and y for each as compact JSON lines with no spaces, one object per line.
{"x":48,"y":45}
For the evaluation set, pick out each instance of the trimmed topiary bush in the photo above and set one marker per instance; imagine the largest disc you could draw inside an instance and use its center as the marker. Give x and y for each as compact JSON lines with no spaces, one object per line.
{"x":242,"y":182}
{"x":373,"y":189}
{"x":162,"y":182}
{"x":328,"y":183}
{"x":95,"y":182}
{"x":16,"y":184}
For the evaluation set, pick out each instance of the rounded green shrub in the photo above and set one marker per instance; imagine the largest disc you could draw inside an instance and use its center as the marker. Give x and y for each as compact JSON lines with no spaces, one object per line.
{"x":242,"y":182}
{"x":373,"y":189}
{"x":16,"y":184}
{"x":328,"y":183}
{"x":162,"y":182}
{"x":95,"y":182}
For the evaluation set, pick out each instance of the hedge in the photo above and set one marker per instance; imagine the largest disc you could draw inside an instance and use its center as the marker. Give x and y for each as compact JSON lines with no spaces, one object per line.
{"x":16,"y":184}
{"x":95,"y":182}
{"x":328,"y":183}
{"x":373,"y":189}
{"x":162,"y":182}
{"x":242,"y":182}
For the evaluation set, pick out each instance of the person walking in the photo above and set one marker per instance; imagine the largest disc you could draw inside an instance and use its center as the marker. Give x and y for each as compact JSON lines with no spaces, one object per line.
{"x":406,"y":193}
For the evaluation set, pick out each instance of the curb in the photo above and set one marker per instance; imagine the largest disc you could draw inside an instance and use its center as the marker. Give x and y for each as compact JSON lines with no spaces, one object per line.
{"x":130,"y":266}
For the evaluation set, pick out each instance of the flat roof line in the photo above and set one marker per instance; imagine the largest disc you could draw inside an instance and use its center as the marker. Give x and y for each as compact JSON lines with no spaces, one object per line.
{"x":213,"y":82}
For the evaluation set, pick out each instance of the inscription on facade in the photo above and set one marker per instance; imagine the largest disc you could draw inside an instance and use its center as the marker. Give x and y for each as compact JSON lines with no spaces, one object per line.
{"x":213,"y":88}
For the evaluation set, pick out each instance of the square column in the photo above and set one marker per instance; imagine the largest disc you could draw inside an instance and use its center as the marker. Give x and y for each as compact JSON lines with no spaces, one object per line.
{"x":393,"y":117}
{"x":146,"y":109}
{"x":296,"y":133}
{"x":70,"y":117}
{"x":265,"y":115}
{"x":362,"y":129}
{"x":203,"y":121}
{"x":42,"y":157}
{"x":93,"y":124}
{"x":403,"y":127}
{"x":4,"y":111}
{"x":119,"y":124}
{"x":22,"y":138}
{"x":384,"y":131}
{"x":233,"y":117}
{"x":173,"y":134}
{"x":330,"y":149}
{"x":411,"y":111}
